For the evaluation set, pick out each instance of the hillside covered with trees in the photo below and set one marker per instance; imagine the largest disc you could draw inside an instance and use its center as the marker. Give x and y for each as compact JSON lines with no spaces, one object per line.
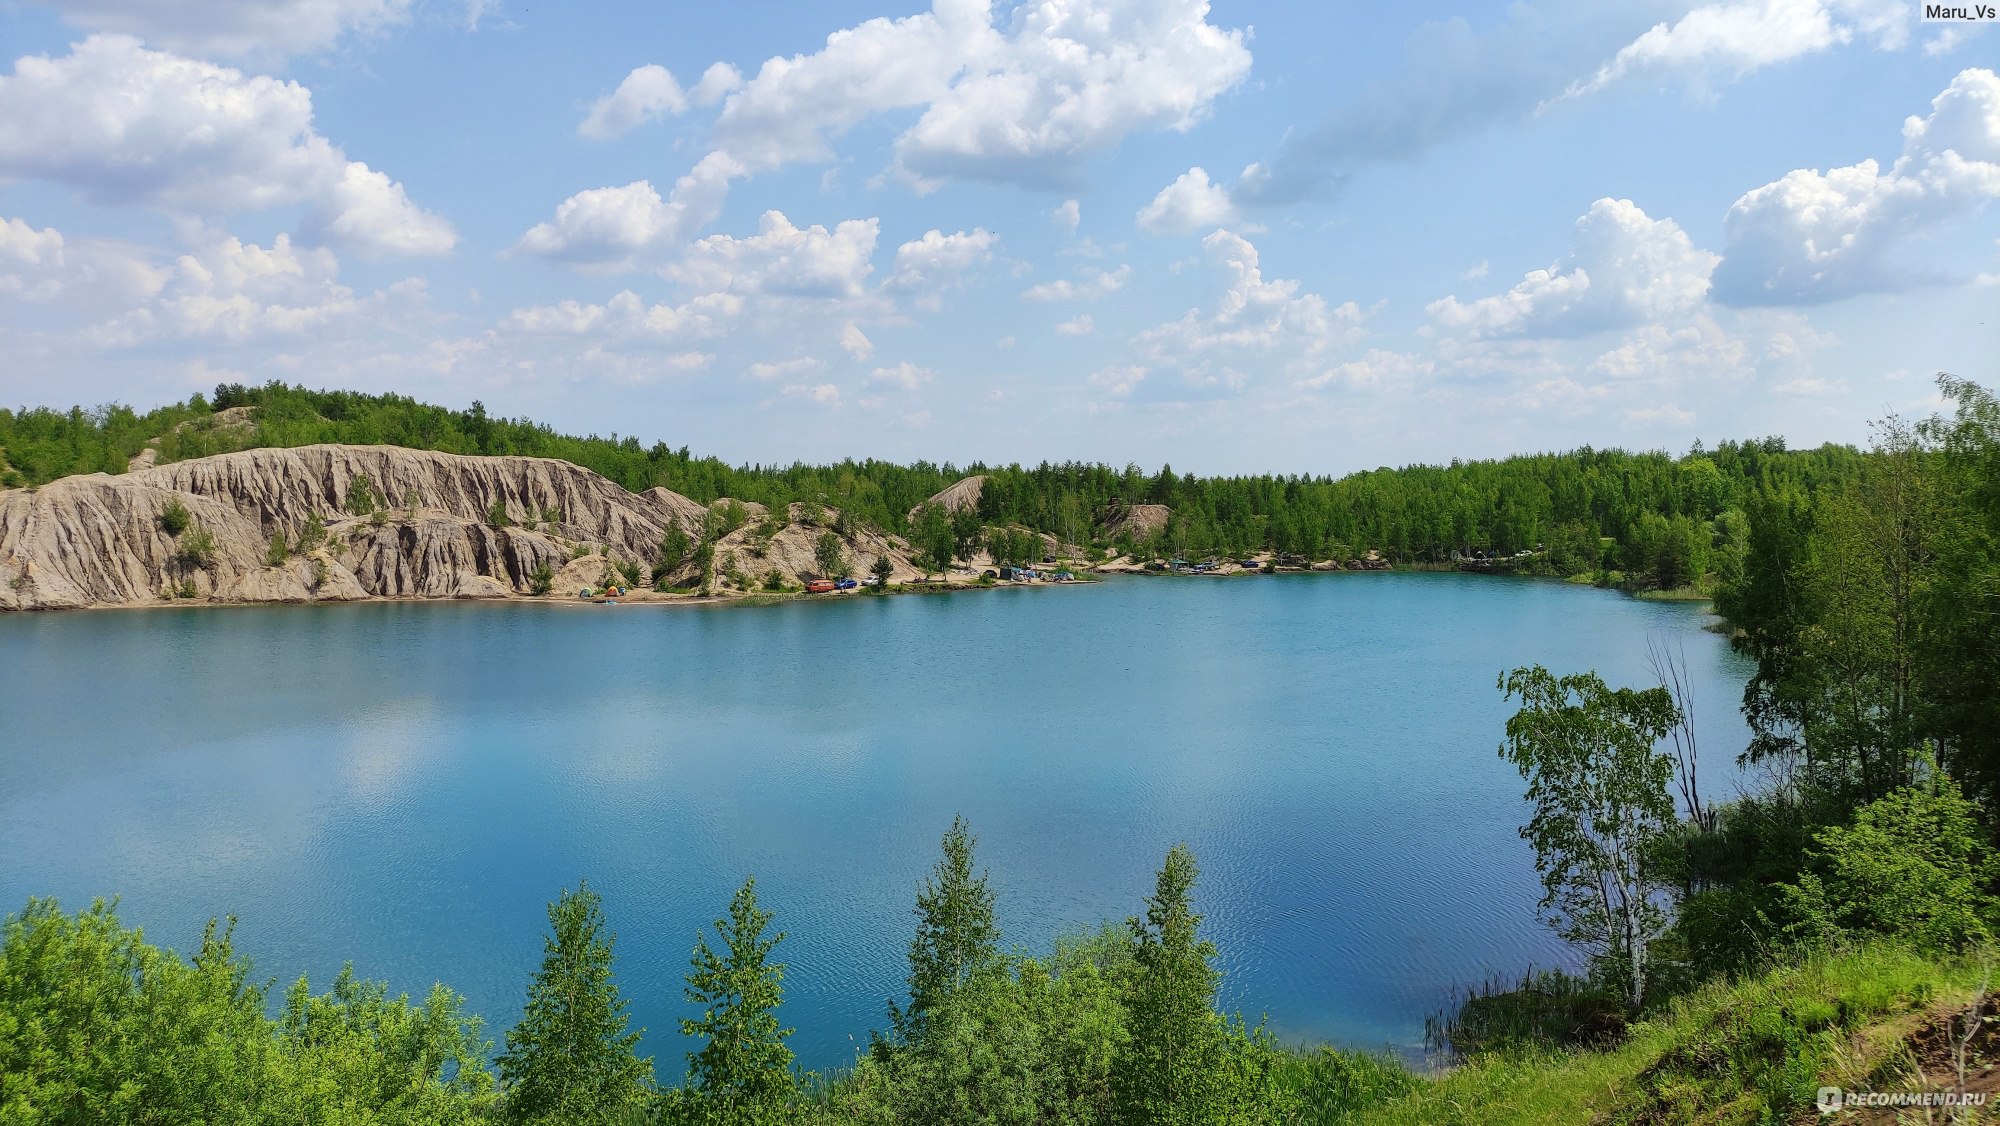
{"x":1647,"y":520}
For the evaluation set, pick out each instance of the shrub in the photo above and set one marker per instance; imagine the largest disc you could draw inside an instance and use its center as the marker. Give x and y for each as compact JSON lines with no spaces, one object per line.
{"x":541,"y":579}
{"x":174,"y":517}
{"x":496,"y":516}
{"x":361,"y":499}
{"x":312,"y":536}
{"x":197,"y":548}
{"x":1914,"y":866}
{"x":276,"y":553}
{"x":774,"y":580}
{"x":724,"y":518}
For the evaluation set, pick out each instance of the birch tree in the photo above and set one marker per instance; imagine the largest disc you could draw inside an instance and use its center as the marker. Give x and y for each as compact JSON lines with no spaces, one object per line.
{"x":1598,"y":784}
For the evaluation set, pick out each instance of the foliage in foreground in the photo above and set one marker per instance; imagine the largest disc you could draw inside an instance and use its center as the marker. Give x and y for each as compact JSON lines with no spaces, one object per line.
{"x":1735,"y":1052}
{"x":1117,"y":1027}
{"x":98,"y":1026}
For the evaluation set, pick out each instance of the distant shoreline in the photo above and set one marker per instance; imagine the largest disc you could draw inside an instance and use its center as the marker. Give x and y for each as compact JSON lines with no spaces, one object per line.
{"x":757,"y":599}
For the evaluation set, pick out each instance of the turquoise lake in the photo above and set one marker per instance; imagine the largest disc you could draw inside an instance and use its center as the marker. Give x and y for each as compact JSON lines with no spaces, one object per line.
{"x":407,"y":785}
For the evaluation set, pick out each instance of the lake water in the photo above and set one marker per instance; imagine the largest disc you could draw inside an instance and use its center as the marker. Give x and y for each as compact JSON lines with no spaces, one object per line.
{"x":408,"y":785}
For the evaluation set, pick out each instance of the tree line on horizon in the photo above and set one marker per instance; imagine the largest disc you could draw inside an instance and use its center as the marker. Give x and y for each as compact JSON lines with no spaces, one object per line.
{"x":1640,"y":519}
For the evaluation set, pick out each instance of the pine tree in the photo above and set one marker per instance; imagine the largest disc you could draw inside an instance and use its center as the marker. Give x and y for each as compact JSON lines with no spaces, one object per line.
{"x":957,"y":937}
{"x":1172,"y":1065}
{"x":742,"y":1073}
{"x":570,"y":1059}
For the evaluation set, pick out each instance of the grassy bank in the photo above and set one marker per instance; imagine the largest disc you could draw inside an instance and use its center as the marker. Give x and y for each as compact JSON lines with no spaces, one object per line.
{"x":1749,"y":1051}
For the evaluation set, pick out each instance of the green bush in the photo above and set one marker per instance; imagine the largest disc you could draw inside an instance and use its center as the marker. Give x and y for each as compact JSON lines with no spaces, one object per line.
{"x":1914,"y":866}
{"x":196,"y":548}
{"x":361,"y":498}
{"x":174,"y":516}
{"x":275,"y":553}
{"x":541,"y":579}
{"x":313,"y":536}
{"x":496,"y":516}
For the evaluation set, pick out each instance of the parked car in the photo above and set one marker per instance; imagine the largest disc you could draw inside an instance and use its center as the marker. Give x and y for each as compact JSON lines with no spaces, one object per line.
{"x":820,"y":586}
{"x":846,"y":584}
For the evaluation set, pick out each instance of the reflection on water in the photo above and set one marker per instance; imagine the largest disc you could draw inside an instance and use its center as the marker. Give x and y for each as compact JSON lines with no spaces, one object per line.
{"x":407,"y":785}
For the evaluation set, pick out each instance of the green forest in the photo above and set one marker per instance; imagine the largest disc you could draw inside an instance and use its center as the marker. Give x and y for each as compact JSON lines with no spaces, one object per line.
{"x":1837,"y":926}
{"x":1645,"y":520}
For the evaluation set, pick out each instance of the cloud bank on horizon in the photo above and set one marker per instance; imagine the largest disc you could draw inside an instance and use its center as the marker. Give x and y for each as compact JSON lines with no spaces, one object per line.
{"x":1106,"y":229}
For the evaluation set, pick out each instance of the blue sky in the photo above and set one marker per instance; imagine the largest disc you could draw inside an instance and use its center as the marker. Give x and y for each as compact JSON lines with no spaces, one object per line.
{"x":1238,"y":236}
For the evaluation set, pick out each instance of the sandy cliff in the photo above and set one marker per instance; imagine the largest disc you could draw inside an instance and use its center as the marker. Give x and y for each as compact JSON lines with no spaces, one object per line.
{"x":97,"y":540}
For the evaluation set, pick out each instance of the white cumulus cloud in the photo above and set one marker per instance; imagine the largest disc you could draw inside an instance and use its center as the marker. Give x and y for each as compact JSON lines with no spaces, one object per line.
{"x":1624,"y":268}
{"x":1093,"y":284}
{"x":619,"y":228}
{"x":783,"y":260}
{"x":1256,"y":321}
{"x":122,"y":123}
{"x":1816,"y":236}
{"x":650,"y":92}
{"x":1730,"y":40}
{"x":855,"y":342}
{"x":1190,"y":203}
{"x":935,"y":260}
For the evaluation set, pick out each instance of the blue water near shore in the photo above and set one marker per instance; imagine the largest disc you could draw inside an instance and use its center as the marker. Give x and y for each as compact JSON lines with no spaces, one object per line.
{"x":407,"y":785}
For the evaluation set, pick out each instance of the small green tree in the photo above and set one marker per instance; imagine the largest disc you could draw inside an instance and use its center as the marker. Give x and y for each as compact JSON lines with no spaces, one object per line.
{"x":933,"y":540}
{"x":704,"y":557}
{"x":1598,"y":785}
{"x":570,"y":1059}
{"x":174,"y":516}
{"x":542,"y":579}
{"x":197,"y":548}
{"x":1171,"y":1067}
{"x":743,"y":1070}
{"x":882,"y":569}
{"x":830,"y":555}
{"x":312,"y":535}
{"x":674,"y":548}
{"x":496,"y":516}
{"x":957,"y":938}
{"x":275,"y":553}
{"x":361,"y":498}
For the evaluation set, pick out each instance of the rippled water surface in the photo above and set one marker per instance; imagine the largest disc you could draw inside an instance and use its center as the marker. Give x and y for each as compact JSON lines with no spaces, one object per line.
{"x":407,"y":785}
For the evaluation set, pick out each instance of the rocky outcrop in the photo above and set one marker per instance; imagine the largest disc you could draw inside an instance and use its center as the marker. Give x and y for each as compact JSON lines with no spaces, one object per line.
{"x":1141,"y":521}
{"x":964,"y":493}
{"x":98,"y":540}
{"x":790,"y":547}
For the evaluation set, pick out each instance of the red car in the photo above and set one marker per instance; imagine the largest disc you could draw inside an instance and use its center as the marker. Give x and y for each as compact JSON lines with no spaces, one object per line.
{"x":820,"y":586}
